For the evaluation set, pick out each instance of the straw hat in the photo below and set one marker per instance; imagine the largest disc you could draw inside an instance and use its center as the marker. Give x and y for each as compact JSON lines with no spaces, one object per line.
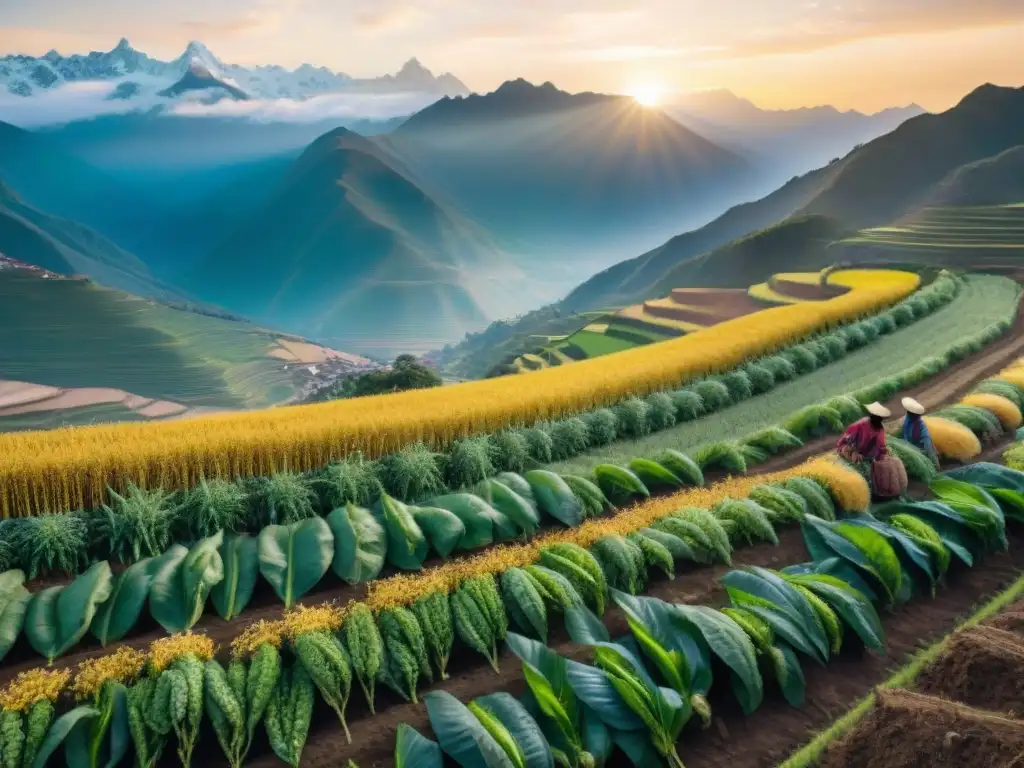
{"x":877,"y":409}
{"x":910,"y":405}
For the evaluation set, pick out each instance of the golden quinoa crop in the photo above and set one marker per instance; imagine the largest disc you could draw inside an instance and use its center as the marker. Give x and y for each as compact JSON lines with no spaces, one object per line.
{"x":124,"y":665}
{"x":72,"y":467}
{"x":32,"y":686}
{"x":164,"y":652}
{"x":1005,"y":410}
{"x":952,"y":440}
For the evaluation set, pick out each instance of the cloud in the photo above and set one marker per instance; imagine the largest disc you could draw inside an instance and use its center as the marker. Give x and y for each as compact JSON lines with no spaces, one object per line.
{"x":382,"y":19}
{"x":821,"y":26}
{"x":83,"y":101}
{"x":367,"y":106}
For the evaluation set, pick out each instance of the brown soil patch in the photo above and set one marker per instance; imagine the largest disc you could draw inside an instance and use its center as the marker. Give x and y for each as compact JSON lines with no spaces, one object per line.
{"x":734,"y":302}
{"x":70,"y":398}
{"x":982,"y":667}
{"x":302,"y":352}
{"x":14,"y":393}
{"x":807,"y":291}
{"x":1010,"y":620}
{"x":908,"y":730}
{"x":160,"y":409}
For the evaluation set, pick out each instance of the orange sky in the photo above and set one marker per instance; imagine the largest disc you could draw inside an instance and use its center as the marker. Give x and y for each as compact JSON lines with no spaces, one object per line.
{"x":863,"y":54}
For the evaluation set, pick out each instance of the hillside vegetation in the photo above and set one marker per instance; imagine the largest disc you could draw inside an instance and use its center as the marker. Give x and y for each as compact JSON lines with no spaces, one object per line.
{"x":353,"y":251}
{"x":69,"y":333}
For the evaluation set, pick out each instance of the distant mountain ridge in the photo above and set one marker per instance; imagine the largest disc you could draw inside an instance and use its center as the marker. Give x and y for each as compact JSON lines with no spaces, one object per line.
{"x":351,"y":247}
{"x":793,"y":141}
{"x":27,"y":75}
{"x":545,"y":169}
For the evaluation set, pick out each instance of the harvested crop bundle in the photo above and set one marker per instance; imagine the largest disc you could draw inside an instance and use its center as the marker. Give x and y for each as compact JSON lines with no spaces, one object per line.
{"x":952,"y":440}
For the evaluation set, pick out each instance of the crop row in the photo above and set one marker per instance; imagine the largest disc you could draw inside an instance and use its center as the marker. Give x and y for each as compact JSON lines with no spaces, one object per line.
{"x":417,"y":472}
{"x":278,"y":669}
{"x":356,"y":543}
{"x":66,"y":469}
{"x":643,"y":689}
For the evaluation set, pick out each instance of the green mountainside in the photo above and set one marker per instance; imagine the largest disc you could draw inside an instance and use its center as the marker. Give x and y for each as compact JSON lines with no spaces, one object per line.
{"x":350,"y":249}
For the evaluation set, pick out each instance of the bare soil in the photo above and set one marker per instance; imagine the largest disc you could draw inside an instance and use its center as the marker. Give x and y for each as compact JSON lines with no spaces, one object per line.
{"x":808,"y":291}
{"x":1011,"y":620}
{"x":909,"y":730}
{"x":981,"y":667}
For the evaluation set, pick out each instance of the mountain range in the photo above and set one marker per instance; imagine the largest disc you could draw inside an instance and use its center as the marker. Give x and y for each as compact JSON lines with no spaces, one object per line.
{"x":792,"y":141}
{"x":569,"y":175}
{"x":351,"y":246}
{"x":972,"y":154}
{"x":137,"y":73}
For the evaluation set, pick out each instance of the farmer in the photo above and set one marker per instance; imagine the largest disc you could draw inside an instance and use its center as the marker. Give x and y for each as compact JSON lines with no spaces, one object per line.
{"x":915,"y":431}
{"x":863,"y":442}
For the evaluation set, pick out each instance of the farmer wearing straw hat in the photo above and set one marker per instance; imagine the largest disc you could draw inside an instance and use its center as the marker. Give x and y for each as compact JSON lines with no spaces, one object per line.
{"x":915,"y":431}
{"x":863,"y":442}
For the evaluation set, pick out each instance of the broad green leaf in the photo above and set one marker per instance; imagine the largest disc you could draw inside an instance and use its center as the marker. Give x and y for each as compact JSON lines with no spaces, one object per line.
{"x":597,"y":738}
{"x":823,"y":543}
{"x":989,"y":475}
{"x":1012,"y":502}
{"x":442,"y":528}
{"x":550,"y":667}
{"x":461,"y":735}
{"x":484,"y":524}
{"x":293,"y":558}
{"x":855,"y":610}
{"x":584,"y":627}
{"x":908,"y":550}
{"x":360,"y":544}
{"x":879,"y":552}
{"x":57,"y":617}
{"x":662,"y":622}
{"x":789,"y":674}
{"x":979,"y":509}
{"x":775,"y":590}
{"x":637,"y":747}
{"x":782,"y":624}
{"x":554,"y":497}
{"x":102,"y":741}
{"x":509,"y":503}
{"x":953,"y":528}
{"x":413,"y":750}
{"x":14,"y":600}
{"x":670,"y":664}
{"x":407,"y":546}
{"x":240,"y":555}
{"x":183,"y":581}
{"x":59,"y":730}
{"x":547,"y":702}
{"x":524,"y":729}
{"x":593,"y":687}
{"x":731,"y":644}
{"x":120,"y":613}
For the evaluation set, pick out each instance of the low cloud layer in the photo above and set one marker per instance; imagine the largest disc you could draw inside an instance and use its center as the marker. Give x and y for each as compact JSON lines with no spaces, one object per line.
{"x":82,"y":101}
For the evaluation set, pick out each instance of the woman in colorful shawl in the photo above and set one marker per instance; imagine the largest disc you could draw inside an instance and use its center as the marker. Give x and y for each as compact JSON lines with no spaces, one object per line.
{"x":915,"y":431}
{"x":863,"y":442}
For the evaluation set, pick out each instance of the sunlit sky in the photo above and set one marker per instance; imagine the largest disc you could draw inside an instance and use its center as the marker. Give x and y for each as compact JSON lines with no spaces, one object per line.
{"x":859,"y":54}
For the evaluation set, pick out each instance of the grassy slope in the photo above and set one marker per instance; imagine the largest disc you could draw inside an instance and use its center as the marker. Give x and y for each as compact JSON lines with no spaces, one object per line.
{"x":983,"y":300}
{"x":71,"y":334}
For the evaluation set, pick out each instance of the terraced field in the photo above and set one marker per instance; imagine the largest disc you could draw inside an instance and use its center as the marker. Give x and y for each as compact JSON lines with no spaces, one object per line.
{"x":685,"y":310}
{"x":983,"y":300}
{"x":69,"y":334}
{"x":968,"y":236}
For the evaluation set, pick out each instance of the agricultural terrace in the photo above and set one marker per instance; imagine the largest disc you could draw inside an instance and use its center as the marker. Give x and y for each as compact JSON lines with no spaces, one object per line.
{"x":973,"y":237}
{"x":69,"y":469}
{"x":684,"y":310}
{"x":983,"y":300}
{"x":112,"y":355}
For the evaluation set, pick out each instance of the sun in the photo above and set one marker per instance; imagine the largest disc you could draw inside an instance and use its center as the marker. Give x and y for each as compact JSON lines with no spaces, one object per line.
{"x":647,"y":95}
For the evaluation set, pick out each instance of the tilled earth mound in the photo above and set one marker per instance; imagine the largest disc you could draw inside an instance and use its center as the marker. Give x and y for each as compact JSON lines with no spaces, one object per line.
{"x":911,"y":730}
{"x":981,"y":667}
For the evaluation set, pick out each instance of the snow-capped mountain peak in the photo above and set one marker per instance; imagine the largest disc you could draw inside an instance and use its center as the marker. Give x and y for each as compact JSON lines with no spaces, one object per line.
{"x":28,"y":75}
